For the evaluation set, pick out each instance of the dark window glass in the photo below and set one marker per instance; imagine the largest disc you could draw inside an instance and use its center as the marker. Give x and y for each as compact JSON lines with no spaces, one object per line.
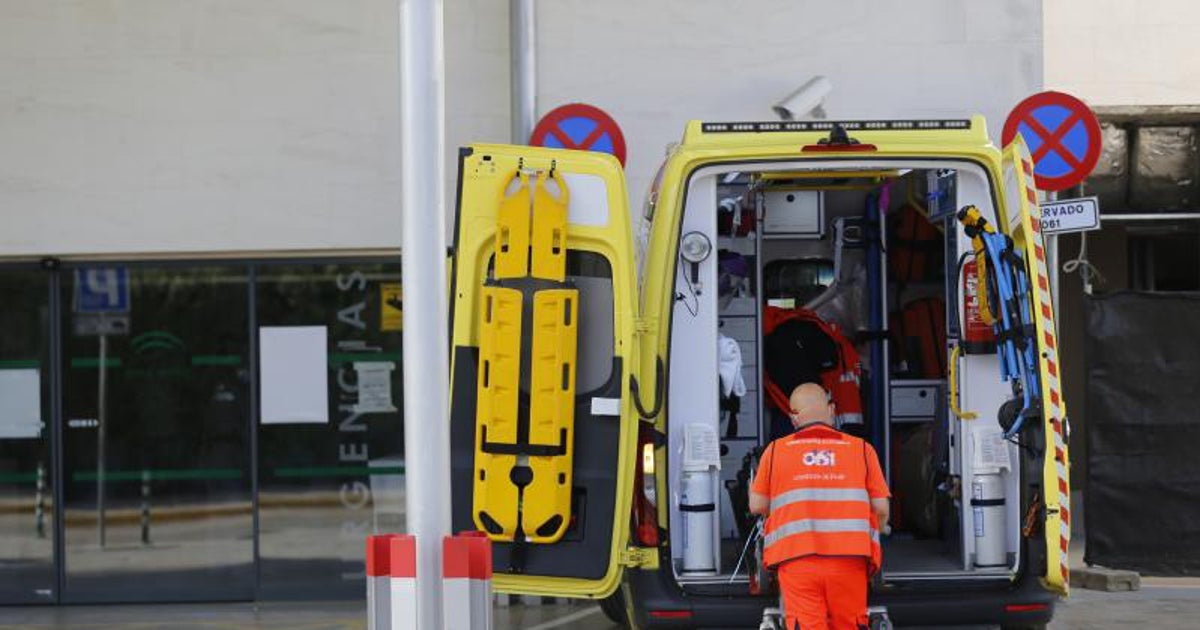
{"x":592,"y":275}
{"x":324,"y":487}
{"x":26,"y":471}
{"x":156,"y":442}
{"x":1165,"y":260}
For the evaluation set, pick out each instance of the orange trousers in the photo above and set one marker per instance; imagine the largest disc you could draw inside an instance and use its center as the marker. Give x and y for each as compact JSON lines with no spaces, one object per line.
{"x":824,"y":593}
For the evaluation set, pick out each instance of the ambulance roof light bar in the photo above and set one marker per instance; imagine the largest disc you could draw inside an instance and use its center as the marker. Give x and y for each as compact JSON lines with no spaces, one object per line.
{"x":793,"y":126}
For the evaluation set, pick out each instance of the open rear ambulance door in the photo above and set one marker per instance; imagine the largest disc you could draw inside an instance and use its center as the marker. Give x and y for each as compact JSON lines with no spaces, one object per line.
{"x":1024,"y":222}
{"x":543,"y":311}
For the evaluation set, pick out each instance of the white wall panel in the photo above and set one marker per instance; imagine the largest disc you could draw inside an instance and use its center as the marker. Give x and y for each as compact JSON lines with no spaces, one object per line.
{"x":136,"y":126}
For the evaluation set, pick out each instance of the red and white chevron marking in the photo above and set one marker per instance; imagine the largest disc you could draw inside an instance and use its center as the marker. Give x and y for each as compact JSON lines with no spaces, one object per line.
{"x":1052,"y":396}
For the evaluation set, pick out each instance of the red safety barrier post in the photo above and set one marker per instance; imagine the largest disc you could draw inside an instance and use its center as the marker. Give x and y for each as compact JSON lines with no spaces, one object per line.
{"x":481,"y":578}
{"x":456,"y":583}
{"x":466,"y":582}
{"x":379,"y":593}
{"x":403,"y":581}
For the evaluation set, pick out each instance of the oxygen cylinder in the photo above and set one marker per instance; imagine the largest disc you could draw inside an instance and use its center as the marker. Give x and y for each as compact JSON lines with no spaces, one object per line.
{"x":697,"y":507}
{"x":977,"y":334}
{"x":988,"y":509}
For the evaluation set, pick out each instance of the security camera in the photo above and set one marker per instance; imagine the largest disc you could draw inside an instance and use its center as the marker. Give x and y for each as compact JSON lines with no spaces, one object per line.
{"x":805,"y":101}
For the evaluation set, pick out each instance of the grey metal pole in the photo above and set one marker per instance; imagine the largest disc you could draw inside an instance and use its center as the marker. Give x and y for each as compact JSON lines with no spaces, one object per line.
{"x":1085,"y":271}
{"x":101,"y":425}
{"x":39,"y":508}
{"x":423,"y":268}
{"x":1055,"y":272}
{"x":145,"y":507}
{"x":522,"y":25}
{"x":1052,"y":261}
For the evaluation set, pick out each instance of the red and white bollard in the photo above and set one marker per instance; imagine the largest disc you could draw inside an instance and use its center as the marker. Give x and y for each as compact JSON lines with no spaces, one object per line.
{"x":403,"y":582}
{"x":467,"y":582}
{"x":379,"y":590}
{"x":481,"y":579}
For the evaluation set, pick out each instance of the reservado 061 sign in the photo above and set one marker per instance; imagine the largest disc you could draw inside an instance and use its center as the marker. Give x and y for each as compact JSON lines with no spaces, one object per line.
{"x":1071,"y":215}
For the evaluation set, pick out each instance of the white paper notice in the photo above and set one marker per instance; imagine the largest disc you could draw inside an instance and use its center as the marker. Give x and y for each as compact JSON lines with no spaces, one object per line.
{"x":294,"y":374}
{"x":701,"y":446}
{"x":991,"y":451}
{"x":20,"y":403}
{"x":374,"y":386}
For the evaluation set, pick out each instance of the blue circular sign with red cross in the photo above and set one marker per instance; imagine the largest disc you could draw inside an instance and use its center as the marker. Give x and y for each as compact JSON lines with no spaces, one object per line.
{"x":581,"y":127}
{"x":1062,"y":134}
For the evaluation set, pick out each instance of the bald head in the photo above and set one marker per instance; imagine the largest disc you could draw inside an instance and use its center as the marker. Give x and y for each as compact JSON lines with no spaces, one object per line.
{"x":810,"y":403}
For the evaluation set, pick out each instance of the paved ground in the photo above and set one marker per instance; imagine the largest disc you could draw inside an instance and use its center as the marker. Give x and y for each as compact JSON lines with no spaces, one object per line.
{"x":1161,"y":604}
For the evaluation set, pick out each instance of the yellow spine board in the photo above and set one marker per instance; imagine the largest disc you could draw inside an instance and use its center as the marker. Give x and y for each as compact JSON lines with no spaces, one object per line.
{"x":546,"y":508}
{"x":495,"y":496}
{"x":549,"y":243}
{"x":512,"y":231}
{"x":522,"y":485}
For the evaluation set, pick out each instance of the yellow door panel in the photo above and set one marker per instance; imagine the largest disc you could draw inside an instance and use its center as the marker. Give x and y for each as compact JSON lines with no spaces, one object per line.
{"x":543,"y":352}
{"x":1022,"y":204}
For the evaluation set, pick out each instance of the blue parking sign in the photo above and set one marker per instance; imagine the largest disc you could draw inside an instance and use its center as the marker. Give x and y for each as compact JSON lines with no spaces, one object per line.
{"x":102,"y":290}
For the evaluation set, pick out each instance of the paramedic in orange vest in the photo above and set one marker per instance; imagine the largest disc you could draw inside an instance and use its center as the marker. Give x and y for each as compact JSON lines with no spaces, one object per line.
{"x":826,"y":500}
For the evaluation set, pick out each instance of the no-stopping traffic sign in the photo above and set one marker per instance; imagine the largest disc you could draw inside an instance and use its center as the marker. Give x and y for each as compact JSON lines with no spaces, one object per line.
{"x":582,"y":127}
{"x":1062,"y":134}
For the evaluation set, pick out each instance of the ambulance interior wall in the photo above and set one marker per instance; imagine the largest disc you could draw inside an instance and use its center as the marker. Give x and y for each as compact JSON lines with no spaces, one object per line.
{"x":693,"y":365}
{"x":982,"y":391}
{"x":693,"y":390}
{"x":698,"y":315}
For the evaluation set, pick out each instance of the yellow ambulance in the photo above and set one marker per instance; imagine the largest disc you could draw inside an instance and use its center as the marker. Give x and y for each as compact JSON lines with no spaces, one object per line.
{"x":616,"y":373}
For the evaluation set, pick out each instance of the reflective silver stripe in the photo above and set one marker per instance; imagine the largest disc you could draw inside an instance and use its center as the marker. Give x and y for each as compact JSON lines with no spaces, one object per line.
{"x":821,"y":525}
{"x":875,"y":535}
{"x":819,"y":494}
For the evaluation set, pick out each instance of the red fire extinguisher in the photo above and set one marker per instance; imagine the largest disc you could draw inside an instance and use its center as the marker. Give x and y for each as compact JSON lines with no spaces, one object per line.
{"x":978,"y":336}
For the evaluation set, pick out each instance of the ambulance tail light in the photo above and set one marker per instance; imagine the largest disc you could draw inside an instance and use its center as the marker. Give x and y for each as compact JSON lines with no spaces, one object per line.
{"x":670,"y":614}
{"x":1019,"y":608}
{"x":839,"y":141}
{"x":839,"y":148}
{"x":645,"y":499}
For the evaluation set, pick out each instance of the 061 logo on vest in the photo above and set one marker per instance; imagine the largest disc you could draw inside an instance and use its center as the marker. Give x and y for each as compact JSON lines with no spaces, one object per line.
{"x":820,"y":458}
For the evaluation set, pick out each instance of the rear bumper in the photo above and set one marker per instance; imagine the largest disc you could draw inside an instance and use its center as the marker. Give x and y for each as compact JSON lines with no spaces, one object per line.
{"x":660,"y":603}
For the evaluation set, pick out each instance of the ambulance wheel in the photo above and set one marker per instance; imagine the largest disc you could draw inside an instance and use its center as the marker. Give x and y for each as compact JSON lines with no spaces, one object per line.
{"x":613,"y":607}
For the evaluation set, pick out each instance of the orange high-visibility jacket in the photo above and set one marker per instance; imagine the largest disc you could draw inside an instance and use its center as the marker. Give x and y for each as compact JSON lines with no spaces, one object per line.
{"x":817,"y":480}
